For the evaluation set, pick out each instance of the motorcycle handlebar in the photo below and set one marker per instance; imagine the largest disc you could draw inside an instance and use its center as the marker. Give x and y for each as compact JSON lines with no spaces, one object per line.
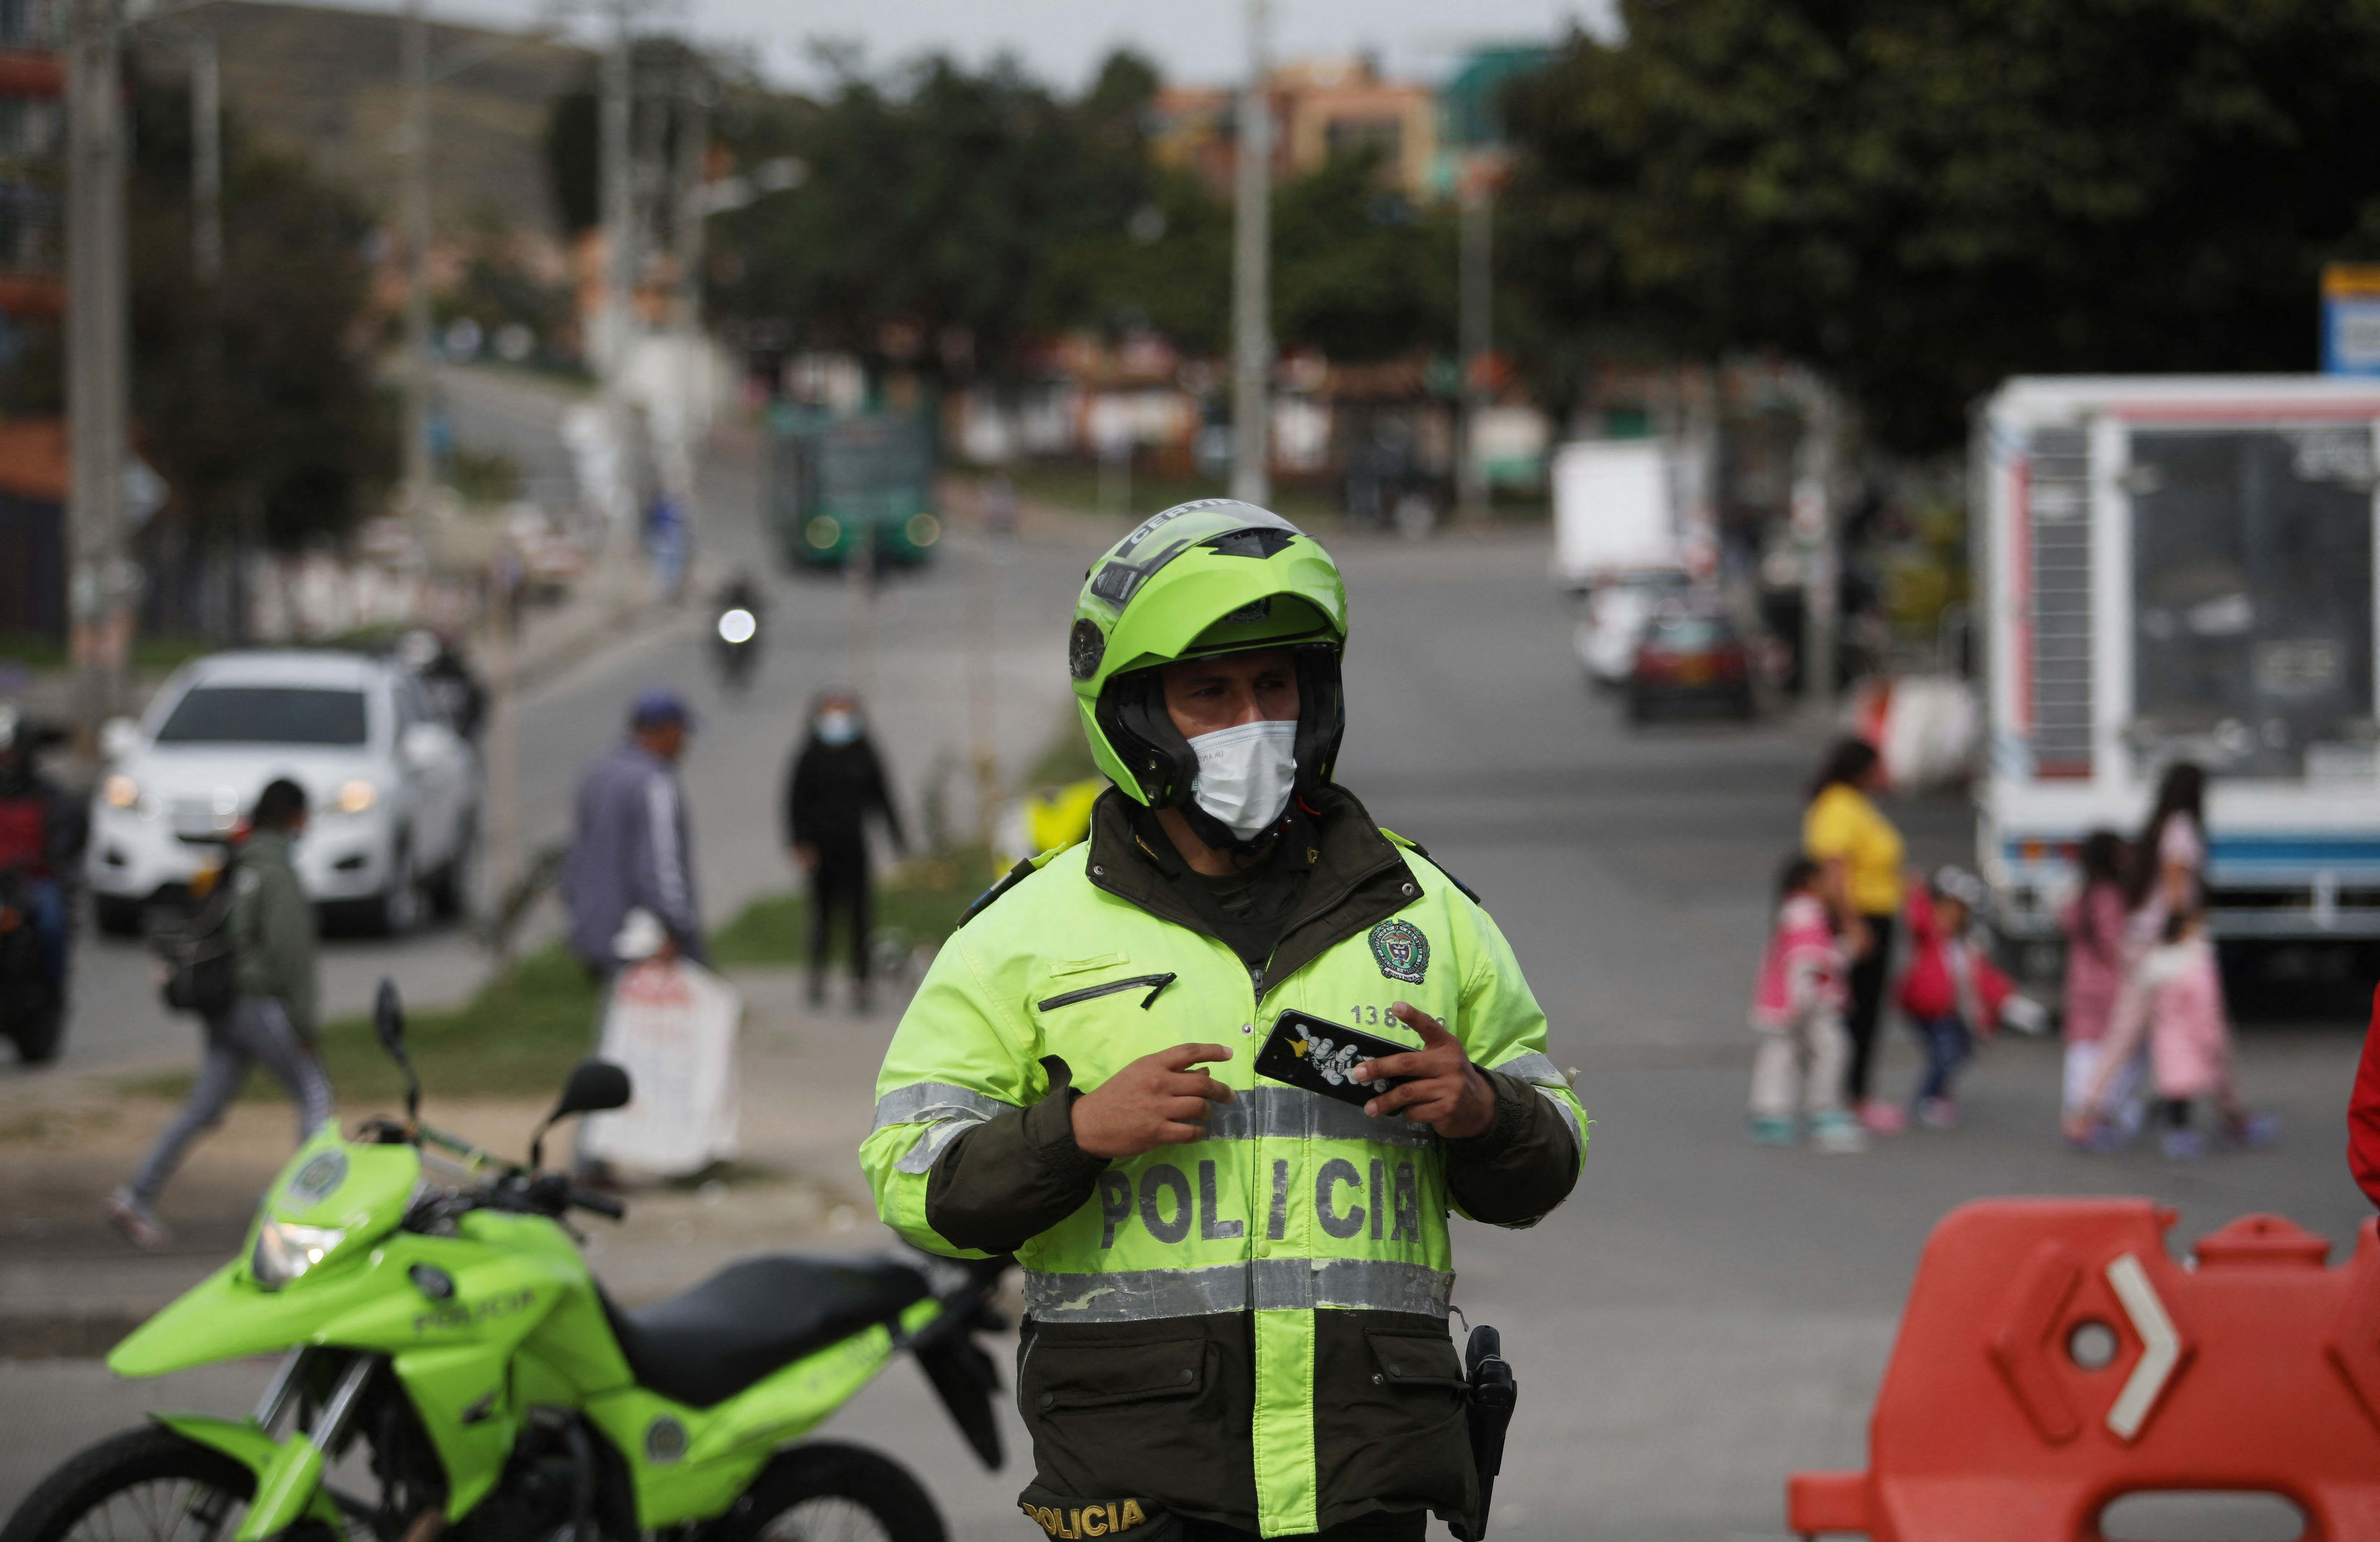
{"x":601,"y":1204}
{"x":455,"y":1144}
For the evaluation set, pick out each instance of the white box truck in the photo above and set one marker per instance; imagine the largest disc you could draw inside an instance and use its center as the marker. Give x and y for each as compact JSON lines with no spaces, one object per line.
{"x":1617,"y":538}
{"x":1615,"y":510}
{"x":2173,"y":567}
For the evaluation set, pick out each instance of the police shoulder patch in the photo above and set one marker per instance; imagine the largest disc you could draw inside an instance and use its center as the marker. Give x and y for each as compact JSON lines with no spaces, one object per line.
{"x":1402,"y":951}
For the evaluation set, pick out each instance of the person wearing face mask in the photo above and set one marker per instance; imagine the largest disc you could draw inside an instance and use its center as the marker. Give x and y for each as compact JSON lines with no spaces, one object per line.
{"x":1237,"y":1288}
{"x":835,"y":786}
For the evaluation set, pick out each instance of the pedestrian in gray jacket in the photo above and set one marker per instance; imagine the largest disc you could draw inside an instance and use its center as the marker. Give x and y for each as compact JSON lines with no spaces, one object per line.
{"x":273,"y":1017}
{"x":629,"y":848}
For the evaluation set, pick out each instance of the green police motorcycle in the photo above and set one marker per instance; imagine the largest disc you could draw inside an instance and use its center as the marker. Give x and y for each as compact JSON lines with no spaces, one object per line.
{"x":451,"y":1369}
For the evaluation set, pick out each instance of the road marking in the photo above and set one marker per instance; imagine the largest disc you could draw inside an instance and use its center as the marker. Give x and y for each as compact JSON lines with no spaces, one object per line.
{"x":2161,"y":1346}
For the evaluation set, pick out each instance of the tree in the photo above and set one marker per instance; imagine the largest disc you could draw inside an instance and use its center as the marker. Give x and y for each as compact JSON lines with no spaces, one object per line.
{"x":936,"y":210}
{"x":255,"y":401}
{"x":944,"y":204}
{"x":1359,"y":271}
{"x":1922,"y":196}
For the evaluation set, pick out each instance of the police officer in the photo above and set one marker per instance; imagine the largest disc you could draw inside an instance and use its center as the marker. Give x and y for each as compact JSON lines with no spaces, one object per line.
{"x":1236,"y":1289}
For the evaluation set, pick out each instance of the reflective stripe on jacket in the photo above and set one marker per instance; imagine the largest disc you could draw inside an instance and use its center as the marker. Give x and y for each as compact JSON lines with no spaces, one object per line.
{"x":1295,"y":1209}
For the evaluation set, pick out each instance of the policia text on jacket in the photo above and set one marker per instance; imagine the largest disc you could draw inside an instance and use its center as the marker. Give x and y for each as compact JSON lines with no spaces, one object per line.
{"x":1237,"y":1290}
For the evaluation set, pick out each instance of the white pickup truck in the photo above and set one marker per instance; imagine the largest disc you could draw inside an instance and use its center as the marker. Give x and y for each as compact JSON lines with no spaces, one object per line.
{"x":2182,"y":567}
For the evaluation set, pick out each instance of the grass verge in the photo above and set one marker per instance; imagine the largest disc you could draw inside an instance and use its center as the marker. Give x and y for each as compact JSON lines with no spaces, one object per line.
{"x":923,"y":899}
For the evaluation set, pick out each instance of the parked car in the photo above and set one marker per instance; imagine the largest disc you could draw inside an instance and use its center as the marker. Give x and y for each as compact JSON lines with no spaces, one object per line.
{"x":1690,"y":657}
{"x":393,"y":789}
{"x":1612,"y":623}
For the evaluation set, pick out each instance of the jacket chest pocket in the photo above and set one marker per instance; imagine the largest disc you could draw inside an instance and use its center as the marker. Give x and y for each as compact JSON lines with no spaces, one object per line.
{"x":1102,"y":1019}
{"x":1147,"y":987}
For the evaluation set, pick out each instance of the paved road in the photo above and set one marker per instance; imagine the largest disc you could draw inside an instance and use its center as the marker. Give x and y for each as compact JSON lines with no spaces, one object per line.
{"x":1703,"y":1316}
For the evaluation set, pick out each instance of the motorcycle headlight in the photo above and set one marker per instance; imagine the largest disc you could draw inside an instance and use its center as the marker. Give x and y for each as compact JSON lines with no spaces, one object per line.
{"x":285,"y":1250}
{"x":737,"y":625}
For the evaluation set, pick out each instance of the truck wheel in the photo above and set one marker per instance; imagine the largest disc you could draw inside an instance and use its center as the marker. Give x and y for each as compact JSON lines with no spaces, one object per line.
{"x":145,"y":1485}
{"x":828,"y":1490}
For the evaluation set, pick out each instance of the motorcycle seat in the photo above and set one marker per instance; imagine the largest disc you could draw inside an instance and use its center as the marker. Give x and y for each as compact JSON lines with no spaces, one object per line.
{"x":704,"y":1345}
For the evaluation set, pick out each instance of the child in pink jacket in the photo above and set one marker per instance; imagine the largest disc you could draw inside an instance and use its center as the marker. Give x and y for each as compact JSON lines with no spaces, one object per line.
{"x":1797,"y":1010}
{"x":2189,"y":1043}
{"x":2099,"y":958}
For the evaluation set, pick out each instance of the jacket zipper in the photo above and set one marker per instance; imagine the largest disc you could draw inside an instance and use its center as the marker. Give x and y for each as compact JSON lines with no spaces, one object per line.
{"x":1154,"y":983}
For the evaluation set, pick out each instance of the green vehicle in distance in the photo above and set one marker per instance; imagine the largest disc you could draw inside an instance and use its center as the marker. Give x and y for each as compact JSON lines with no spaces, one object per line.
{"x":844,"y":490}
{"x":441,"y":1334}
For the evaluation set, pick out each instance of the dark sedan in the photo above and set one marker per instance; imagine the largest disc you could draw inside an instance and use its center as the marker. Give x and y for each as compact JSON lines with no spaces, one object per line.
{"x":1690,"y":659}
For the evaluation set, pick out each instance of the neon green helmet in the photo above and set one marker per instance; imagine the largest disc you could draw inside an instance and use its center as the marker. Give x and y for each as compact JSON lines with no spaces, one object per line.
{"x":1212,"y":577}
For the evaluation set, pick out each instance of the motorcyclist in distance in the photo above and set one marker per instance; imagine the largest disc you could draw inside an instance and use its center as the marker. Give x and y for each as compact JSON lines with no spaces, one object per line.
{"x":41,"y":838}
{"x":446,"y":676}
{"x":736,"y":617}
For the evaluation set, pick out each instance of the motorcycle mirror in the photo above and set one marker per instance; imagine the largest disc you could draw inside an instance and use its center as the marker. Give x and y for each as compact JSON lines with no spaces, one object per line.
{"x":388,"y":1024}
{"x":594,"y":1087}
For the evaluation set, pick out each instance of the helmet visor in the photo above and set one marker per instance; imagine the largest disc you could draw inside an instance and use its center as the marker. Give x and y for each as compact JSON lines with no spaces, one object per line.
{"x":1163,"y":537}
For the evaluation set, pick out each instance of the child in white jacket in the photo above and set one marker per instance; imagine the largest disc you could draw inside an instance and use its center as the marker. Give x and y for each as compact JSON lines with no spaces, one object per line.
{"x":1797,"y":1010}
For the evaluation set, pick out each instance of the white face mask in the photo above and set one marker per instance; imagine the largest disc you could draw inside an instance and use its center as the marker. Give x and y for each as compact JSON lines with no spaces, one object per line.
{"x":838,"y":727}
{"x":1245,"y":774}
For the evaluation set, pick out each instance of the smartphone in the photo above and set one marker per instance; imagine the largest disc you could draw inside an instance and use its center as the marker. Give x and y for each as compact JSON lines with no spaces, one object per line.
{"x":1317,"y":1054}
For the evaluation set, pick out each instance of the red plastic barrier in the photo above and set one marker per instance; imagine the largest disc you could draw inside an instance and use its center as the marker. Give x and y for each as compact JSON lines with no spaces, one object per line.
{"x":2053,"y":1358}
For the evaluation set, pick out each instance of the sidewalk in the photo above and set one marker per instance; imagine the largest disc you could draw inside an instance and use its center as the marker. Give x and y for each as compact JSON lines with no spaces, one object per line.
{"x":70,"y":1287}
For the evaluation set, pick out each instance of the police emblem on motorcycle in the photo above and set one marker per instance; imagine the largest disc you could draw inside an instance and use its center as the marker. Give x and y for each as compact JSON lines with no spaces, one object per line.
{"x":319,"y":1177}
{"x":1403,"y":951}
{"x":664,"y":1439}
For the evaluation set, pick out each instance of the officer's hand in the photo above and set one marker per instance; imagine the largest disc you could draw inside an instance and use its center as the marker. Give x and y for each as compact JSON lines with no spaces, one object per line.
{"x":1157,"y":1101}
{"x":1441,"y":1088}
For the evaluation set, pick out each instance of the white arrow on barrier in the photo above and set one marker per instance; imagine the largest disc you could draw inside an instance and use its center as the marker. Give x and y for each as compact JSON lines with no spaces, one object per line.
{"x":2160,"y":1346}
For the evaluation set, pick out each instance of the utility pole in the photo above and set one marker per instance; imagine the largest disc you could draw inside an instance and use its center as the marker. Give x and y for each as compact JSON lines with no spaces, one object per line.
{"x":687,"y":219}
{"x":103,"y":581}
{"x":1251,"y":262}
{"x":420,"y":475}
{"x":1475,"y":298}
{"x":206,"y":156}
{"x":619,"y":268}
{"x":1814,"y":528}
{"x":687,"y":206}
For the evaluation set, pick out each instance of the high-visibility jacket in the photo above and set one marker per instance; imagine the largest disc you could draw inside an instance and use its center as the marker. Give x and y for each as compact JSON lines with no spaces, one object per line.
{"x":1251,"y":1328}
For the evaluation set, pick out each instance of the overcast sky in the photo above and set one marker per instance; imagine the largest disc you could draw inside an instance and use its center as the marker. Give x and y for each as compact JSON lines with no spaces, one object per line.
{"x":1063,"y":41}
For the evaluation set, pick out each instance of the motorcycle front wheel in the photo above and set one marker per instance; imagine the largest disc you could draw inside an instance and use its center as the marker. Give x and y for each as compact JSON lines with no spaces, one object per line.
{"x":143,"y":1485}
{"x":825,"y":1492}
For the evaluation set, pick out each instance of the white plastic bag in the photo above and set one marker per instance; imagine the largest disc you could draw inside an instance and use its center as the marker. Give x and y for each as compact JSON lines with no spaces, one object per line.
{"x":671,"y":1025}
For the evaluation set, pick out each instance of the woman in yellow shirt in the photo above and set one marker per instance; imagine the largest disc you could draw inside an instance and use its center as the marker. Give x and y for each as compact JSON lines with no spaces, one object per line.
{"x":1859,"y":856}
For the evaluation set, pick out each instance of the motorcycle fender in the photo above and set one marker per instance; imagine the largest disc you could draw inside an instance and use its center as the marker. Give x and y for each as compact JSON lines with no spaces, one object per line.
{"x":288,"y":1473}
